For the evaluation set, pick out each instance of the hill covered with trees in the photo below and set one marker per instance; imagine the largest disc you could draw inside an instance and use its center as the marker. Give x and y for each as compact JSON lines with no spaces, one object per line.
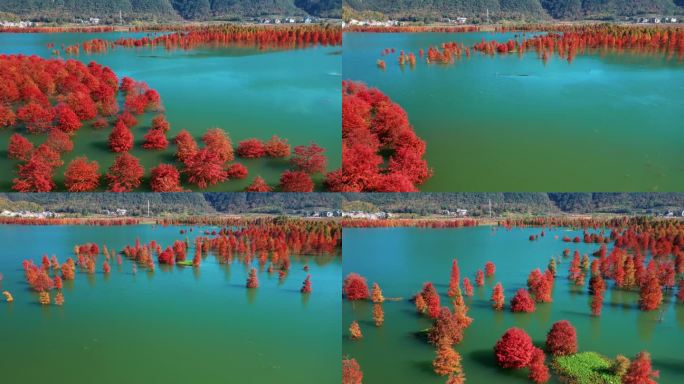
{"x":527,"y":10}
{"x":131,"y":10}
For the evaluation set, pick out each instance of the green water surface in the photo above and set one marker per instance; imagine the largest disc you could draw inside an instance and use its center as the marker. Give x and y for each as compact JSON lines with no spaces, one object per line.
{"x":294,"y":94}
{"x":606,"y":122}
{"x":402,"y":259}
{"x":177,"y":325}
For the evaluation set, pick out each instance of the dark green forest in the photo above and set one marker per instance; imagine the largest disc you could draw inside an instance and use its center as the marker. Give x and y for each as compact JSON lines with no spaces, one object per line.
{"x":297,"y":203}
{"x":528,"y":10}
{"x":164,"y":10}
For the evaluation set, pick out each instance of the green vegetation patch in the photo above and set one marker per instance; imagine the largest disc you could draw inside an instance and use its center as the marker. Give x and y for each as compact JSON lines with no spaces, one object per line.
{"x":585,"y":368}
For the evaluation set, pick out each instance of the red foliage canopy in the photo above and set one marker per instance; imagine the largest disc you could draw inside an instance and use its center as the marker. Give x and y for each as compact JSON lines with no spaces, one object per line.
{"x":277,"y":148}
{"x":205,"y":168}
{"x":372,"y":123}
{"x":237,"y":171}
{"x":258,"y":185}
{"x":514,"y":349}
{"x":186,"y":146}
{"x":309,"y":159}
{"x":165,"y":178}
{"x":355,"y":287}
{"x":296,"y":181}
{"x":561,"y":339}
{"x":66,"y":119}
{"x":121,"y":138}
{"x":125,"y":174}
{"x":522,"y":301}
{"x":155,"y":139}
{"x":218,"y":141}
{"x":351,"y":372}
{"x":82,"y":175}
{"x":251,"y":149}
{"x":640,"y":371}
{"x":19,"y":148}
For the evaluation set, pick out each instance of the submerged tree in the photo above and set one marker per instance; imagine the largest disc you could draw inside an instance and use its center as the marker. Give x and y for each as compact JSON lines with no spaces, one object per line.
{"x":562,"y":339}
{"x":351,"y":372}
{"x":309,"y":159}
{"x":514,"y":349}
{"x":539,"y":372}
{"x":376,"y":295}
{"x":82,"y":175}
{"x":121,"y":138}
{"x":186,"y":146}
{"x":277,"y":148}
{"x":448,"y":361}
{"x":355,"y":287}
{"x":651,"y":294}
{"x":296,"y":181}
{"x":640,"y":371}
{"x":252,"y":280}
{"x":522,"y":302}
{"x":218,"y":141}
{"x":306,"y":286}
{"x":355,"y":331}
{"x":205,"y":168}
{"x":258,"y":185}
{"x":125,"y":174}
{"x":454,"y":278}
{"x":165,"y":178}
{"x":378,"y":315}
{"x":251,"y":149}
{"x":19,"y":148}
{"x":498,"y":299}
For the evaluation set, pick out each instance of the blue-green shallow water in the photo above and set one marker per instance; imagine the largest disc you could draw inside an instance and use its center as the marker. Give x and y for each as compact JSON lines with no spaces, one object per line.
{"x":402,"y":259}
{"x":178,"y":325}
{"x":294,"y":94}
{"x":502,"y":123}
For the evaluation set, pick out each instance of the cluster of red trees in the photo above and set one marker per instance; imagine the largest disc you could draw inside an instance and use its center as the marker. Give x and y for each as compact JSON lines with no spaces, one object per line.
{"x":412,"y":29}
{"x":194,"y":36}
{"x":419,"y":223}
{"x":371,"y":126}
{"x":68,"y":221}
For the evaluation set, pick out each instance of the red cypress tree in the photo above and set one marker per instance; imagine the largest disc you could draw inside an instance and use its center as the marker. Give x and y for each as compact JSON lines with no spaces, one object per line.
{"x":66,"y":119}
{"x":237,"y":171}
{"x":34,"y":176}
{"x":252,"y":280}
{"x":454,"y":278}
{"x":597,"y":303}
{"x":218,"y":141}
{"x":522,"y":302}
{"x":445,"y":328}
{"x":514,"y":349}
{"x":186,"y":147}
{"x":651,"y":294}
{"x":351,"y":372}
{"x":431,"y":298}
{"x":378,"y":315}
{"x":562,"y":339}
{"x":155,"y":139}
{"x":498,"y":299}
{"x":490,"y":268}
{"x":640,"y":370}
{"x":447,"y":362}
{"x":106,"y":268}
{"x":355,"y":287}
{"x":127,"y":119}
{"x":59,"y":141}
{"x":37,"y":118}
{"x":277,"y":147}
{"x":251,"y":149}
{"x":7,"y":116}
{"x":296,"y":181}
{"x":539,"y":373}
{"x":82,"y":175}
{"x":159,"y":122}
{"x":479,"y":278}
{"x":19,"y":148}
{"x":309,"y":159}
{"x":125,"y":174}
{"x":205,"y":168}
{"x":165,"y":178}
{"x":467,"y":287}
{"x":121,"y":138}
{"x":258,"y":185}
{"x":355,"y":331}
{"x":306,"y":286}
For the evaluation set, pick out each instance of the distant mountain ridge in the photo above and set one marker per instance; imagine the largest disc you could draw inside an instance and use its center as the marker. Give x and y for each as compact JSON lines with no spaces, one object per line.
{"x":427,"y":203}
{"x":108,"y":10}
{"x":516,"y":9}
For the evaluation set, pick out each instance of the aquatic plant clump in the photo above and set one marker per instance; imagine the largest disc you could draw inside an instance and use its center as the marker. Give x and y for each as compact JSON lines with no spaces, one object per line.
{"x":373,"y":125}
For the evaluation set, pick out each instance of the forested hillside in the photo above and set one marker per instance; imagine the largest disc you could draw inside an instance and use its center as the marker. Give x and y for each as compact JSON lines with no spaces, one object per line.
{"x":108,"y":10}
{"x":476,"y":10}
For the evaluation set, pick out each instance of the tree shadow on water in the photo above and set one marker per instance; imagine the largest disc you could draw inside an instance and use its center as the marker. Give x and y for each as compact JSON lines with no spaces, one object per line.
{"x":485,"y":358}
{"x":423,"y":366}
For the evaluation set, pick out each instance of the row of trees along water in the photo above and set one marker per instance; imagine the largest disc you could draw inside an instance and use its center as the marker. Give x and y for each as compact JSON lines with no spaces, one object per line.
{"x":564,"y":41}
{"x":56,"y":98}
{"x":265,"y":241}
{"x":647,"y":256}
{"x":193,"y":37}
